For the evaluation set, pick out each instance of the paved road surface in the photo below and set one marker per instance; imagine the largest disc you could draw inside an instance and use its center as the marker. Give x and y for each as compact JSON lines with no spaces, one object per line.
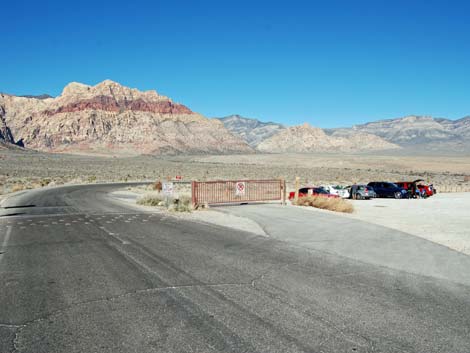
{"x":81,"y":273}
{"x":357,"y":240}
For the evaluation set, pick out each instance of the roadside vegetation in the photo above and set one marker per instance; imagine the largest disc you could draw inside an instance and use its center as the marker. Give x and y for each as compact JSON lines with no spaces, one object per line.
{"x":157,"y":199}
{"x":326,"y":203}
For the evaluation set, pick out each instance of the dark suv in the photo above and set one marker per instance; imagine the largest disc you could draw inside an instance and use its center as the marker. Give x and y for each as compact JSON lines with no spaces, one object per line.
{"x":386,"y":189}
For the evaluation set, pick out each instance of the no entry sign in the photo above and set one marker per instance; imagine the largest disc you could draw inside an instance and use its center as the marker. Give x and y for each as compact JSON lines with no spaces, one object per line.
{"x":240,"y":188}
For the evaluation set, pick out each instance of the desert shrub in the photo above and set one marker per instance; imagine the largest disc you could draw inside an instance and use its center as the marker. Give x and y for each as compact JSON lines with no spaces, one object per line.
{"x":151,"y":199}
{"x":157,"y":186}
{"x":180,"y":204}
{"x":91,"y":179}
{"x":326,"y":203}
{"x":183,"y":204}
{"x":45,"y":182}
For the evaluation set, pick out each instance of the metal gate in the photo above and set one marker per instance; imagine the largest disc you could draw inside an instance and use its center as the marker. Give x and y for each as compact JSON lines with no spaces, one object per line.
{"x":237,"y":191}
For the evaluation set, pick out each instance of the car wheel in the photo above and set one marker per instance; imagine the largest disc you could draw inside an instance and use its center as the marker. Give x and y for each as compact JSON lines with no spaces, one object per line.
{"x":398,"y":195}
{"x":358,"y":197}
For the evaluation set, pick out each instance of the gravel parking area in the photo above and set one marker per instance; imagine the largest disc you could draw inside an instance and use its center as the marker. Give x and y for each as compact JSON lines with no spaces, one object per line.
{"x":443,"y":218}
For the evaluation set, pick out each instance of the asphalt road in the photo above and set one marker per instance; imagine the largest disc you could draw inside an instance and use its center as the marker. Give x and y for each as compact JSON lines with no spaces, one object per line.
{"x":80,"y":272}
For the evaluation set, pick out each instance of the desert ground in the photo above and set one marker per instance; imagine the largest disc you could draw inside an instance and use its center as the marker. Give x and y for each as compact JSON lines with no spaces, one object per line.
{"x":22,"y":170}
{"x":442,"y":219}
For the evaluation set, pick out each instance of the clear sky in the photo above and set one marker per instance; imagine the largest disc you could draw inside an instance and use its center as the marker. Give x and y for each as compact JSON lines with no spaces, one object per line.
{"x":330,"y":63}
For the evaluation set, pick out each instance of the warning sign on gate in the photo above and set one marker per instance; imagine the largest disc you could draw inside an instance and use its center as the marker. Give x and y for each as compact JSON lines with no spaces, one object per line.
{"x":167,"y":189}
{"x":240,"y":188}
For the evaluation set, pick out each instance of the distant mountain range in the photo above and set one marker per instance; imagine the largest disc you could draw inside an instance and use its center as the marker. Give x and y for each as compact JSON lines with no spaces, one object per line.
{"x":109,"y":117}
{"x":418,"y":133}
{"x":251,"y":130}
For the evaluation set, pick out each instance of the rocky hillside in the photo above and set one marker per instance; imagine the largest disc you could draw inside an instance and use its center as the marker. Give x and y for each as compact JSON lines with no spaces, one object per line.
{"x":6,"y":137}
{"x":111,"y":117}
{"x":419,"y":132}
{"x":250,"y":130}
{"x":305,"y":138}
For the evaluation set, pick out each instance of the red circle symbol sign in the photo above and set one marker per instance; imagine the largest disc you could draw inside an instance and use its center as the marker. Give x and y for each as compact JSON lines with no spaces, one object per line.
{"x":240,"y":188}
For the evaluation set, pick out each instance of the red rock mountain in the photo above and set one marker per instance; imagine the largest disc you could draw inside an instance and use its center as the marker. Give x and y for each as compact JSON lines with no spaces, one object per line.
{"x":111,"y":117}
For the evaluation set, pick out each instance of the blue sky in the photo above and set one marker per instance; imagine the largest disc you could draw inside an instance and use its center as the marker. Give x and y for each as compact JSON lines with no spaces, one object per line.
{"x":330,"y":63}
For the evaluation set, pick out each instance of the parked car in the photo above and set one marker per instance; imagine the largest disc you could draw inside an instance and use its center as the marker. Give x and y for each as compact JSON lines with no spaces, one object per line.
{"x":361,"y":192}
{"x":337,"y":190}
{"x":312,"y":191}
{"x":425,"y":190}
{"x":387,"y":189}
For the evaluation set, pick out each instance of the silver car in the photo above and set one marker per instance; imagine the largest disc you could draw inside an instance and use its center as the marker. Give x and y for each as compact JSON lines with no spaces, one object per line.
{"x":361,"y":192}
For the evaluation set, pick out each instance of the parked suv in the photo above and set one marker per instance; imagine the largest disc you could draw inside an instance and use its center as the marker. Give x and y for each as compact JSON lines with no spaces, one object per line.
{"x":386,"y":189}
{"x":361,"y":192}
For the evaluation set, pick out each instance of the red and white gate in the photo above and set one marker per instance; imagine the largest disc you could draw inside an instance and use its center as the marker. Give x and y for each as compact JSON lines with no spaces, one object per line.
{"x":237,"y":191}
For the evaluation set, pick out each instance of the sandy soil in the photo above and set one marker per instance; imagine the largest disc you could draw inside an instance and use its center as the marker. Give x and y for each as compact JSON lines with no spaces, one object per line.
{"x":443,"y":218}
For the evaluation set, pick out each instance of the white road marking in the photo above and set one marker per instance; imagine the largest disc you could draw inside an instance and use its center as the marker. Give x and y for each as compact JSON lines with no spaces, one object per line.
{"x":5,"y":241}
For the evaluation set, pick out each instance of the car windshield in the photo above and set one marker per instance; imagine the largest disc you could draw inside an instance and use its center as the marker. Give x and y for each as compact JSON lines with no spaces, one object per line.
{"x":320,"y":191}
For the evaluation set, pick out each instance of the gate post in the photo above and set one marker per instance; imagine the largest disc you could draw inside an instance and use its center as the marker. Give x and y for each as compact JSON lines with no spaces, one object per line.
{"x":284,"y":192}
{"x":193,"y":194}
{"x":297,"y":186}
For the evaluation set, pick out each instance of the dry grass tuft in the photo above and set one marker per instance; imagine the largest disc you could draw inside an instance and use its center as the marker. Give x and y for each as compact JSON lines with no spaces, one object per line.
{"x":326,"y":203}
{"x":180,"y":204}
{"x":151,"y":199}
{"x":18,"y":187}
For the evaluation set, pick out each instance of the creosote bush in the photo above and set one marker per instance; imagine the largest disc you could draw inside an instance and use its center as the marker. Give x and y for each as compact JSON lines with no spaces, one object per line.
{"x":326,"y":203}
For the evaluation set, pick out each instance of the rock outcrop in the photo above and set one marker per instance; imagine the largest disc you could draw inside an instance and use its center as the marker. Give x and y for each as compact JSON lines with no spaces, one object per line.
{"x":5,"y":132}
{"x":305,"y":139}
{"x":252,"y":131}
{"x":110,"y":117}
